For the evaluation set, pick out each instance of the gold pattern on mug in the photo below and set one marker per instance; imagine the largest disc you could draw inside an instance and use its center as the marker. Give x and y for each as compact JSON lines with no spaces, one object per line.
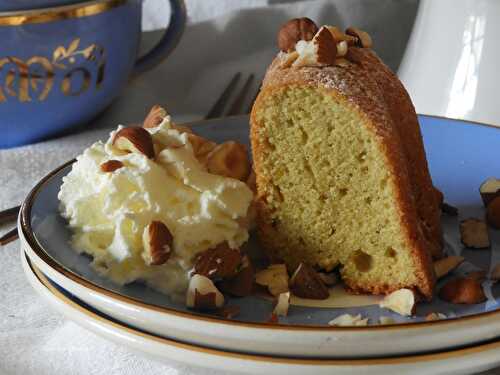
{"x":34,"y":78}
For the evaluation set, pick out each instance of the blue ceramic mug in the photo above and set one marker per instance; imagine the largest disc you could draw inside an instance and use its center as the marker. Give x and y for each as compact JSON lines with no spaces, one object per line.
{"x":61,"y":66}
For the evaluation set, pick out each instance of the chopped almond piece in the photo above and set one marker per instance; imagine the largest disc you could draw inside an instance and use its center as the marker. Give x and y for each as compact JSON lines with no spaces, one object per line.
{"x":339,"y":36}
{"x":287,"y":59}
{"x":364,"y":39}
{"x":347,"y":320}
{"x":444,"y":266}
{"x":203,"y":295}
{"x":434,"y":316}
{"x":474,"y":234}
{"x":489,"y":190}
{"x":154,"y":117}
{"x":401,"y":301}
{"x":201,"y":147}
{"x":282,"y":304}
{"x":111,"y":166}
{"x":326,"y":48}
{"x":275,"y":278}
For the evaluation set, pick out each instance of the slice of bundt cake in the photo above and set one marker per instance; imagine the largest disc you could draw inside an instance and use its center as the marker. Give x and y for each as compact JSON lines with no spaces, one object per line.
{"x":342,"y":178}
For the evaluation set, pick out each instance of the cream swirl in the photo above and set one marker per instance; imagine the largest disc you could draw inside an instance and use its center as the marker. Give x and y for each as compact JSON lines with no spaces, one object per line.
{"x":108,"y":212}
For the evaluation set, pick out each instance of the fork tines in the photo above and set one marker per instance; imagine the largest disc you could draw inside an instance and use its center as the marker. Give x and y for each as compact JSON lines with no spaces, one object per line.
{"x":236,"y":107}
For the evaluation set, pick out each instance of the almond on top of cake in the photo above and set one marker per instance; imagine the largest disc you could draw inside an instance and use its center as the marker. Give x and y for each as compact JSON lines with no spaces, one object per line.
{"x":146,"y":203}
{"x":341,"y":172}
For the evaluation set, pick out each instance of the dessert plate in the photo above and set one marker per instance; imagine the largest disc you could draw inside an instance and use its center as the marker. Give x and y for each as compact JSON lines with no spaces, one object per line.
{"x":459,"y":155}
{"x":461,"y":361}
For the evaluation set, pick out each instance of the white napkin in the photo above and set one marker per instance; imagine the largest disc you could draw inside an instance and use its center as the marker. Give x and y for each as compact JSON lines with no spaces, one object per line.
{"x":36,"y":340}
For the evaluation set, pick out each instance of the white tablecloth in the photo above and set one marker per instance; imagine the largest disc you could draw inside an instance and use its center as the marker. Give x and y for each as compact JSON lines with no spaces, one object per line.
{"x":223,"y":37}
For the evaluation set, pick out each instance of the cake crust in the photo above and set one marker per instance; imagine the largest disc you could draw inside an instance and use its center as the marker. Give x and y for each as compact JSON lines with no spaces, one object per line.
{"x":391,"y":117}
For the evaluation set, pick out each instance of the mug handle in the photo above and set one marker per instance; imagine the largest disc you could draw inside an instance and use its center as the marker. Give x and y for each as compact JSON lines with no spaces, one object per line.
{"x":168,"y":41}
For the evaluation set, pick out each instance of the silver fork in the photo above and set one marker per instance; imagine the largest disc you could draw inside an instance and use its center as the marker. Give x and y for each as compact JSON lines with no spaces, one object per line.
{"x":217,"y":110}
{"x":237,"y":105}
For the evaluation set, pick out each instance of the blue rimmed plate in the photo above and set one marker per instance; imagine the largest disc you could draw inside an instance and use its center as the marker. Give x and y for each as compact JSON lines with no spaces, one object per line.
{"x":460,"y":361}
{"x":459,"y":155}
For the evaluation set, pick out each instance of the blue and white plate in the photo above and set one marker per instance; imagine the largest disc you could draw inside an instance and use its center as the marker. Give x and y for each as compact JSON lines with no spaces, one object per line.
{"x":459,"y":361}
{"x":461,"y":155}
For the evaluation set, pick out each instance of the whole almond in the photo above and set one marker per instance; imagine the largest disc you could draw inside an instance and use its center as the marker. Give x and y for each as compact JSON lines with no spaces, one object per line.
{"x":154,"y":117}
{"x":136,"y":140}
{"x":111,"y":166}
{"x":294,"y":30}
{"x":157,"y":242}
{"x":306,"y":283}
{"x":463,"y":290}
{"x":218,"y":263}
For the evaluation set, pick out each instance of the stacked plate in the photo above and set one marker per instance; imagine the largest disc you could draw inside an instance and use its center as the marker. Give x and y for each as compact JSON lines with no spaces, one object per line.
{"x":467,"y":340}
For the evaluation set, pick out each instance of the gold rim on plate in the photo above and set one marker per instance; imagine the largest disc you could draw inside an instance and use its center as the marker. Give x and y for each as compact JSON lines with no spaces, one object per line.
{"x":36,"y":247}
{"x":456,"y":353}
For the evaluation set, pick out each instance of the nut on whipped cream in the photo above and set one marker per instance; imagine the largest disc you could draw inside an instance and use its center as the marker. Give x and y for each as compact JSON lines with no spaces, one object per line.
{"x":144,"y":205}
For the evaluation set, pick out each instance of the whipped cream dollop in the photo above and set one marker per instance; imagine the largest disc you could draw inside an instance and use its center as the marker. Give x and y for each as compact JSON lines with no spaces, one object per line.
{"x":108,"y":211}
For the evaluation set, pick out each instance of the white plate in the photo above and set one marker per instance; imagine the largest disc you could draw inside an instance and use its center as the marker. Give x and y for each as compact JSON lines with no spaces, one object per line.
{"x":462,"y":361}
{"x":458,"y":167}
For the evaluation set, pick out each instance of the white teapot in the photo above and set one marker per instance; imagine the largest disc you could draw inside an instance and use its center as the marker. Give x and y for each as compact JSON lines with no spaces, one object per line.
{"x":451,"y":66}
